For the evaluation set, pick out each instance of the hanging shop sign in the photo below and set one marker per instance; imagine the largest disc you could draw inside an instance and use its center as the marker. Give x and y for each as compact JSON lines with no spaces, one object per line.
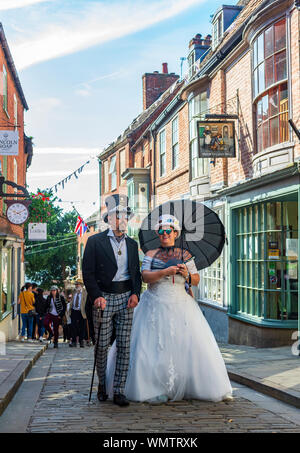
{"x":216,"y":139}
{"x":9,"y":143}
{"x":37,"y":231}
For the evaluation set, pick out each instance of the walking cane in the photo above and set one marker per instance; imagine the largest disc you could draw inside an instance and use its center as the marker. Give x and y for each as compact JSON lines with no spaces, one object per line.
{"x":95,"y":357}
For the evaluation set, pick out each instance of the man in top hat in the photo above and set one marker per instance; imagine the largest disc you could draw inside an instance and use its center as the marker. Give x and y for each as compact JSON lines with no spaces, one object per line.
{"x":111,"y":274}
{"x":78,"y":315}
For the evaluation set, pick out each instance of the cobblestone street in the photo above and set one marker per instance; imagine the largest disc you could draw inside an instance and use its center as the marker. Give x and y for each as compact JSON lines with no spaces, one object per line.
{"x":62,"y":405}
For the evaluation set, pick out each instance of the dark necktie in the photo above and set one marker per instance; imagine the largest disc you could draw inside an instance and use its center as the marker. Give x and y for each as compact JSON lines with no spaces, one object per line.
{"x":77,"y":301}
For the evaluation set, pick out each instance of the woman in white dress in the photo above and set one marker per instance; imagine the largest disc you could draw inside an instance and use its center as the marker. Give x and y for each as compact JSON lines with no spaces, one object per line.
{"x":173,"y":352}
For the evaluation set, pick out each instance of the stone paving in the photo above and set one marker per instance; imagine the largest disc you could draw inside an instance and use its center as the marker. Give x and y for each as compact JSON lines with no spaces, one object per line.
{"x":63,"y":407}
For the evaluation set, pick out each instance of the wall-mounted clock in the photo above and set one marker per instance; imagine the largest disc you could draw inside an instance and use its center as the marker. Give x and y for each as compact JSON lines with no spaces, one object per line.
{"x":17,"y":212}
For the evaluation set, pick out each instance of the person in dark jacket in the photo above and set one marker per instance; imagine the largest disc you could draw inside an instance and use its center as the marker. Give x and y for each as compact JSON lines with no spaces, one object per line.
{"x":34,"y":319}
{"x":56,"y":307}
{"x":41,"y":311}
{"x":111,"y":274}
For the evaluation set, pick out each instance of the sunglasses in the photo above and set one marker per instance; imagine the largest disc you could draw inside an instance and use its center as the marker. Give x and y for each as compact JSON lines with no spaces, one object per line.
{"x":161,"y":231}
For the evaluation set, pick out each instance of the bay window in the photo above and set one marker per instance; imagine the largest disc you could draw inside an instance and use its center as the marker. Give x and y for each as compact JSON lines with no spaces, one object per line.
{"x":270,"y":90}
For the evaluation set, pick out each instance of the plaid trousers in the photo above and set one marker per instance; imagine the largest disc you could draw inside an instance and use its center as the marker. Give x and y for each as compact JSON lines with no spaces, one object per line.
{"x":116,"y":314}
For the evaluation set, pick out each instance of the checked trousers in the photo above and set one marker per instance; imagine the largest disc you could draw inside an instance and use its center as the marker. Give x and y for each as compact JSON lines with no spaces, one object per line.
{"x":116,"y":315}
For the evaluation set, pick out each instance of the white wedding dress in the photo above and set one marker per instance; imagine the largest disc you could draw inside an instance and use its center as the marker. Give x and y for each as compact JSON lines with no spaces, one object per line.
{"x":173,"y":352}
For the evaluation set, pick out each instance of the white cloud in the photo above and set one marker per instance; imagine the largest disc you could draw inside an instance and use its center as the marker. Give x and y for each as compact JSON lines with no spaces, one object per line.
{"x":96,"y":24}
{"x":44,"y":105}
{"x":61,"y":174}
{"x":13,"y":4}
{"x":63,"y":151}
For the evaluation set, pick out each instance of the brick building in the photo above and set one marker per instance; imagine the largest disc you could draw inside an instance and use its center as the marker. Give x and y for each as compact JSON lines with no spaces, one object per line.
{"x":13,"y":168}
{"x":245,"y":72}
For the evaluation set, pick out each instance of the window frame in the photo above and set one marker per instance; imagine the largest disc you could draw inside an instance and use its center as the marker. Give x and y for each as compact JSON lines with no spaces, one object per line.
{"x":199,"y":166}
{"x":113,"y":172}
{"x":259,"y":58}
{"x":162,"y":153}
{"x":175,"y":143}
{"x":5,"y":90}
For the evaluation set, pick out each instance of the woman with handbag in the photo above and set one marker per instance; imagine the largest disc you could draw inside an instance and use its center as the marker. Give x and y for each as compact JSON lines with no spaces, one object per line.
{"x":26,"y":300}
{"x":56,"y":307}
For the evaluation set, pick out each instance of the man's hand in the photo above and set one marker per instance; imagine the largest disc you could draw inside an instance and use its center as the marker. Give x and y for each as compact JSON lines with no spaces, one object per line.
{"x":133,"y":301}
{"x":100,"y":302}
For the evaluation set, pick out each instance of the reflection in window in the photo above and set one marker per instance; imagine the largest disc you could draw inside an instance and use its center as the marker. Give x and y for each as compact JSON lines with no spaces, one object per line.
{"x":269,"y":68}
{"x":267,"y":260}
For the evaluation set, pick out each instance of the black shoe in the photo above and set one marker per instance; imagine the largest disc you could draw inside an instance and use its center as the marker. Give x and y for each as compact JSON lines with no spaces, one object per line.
{"x":72,"y":345}
{"x":55,"y":345}
{"x":102,"y":395}
{"x":81,"y":344}
{"x":120,"y":399}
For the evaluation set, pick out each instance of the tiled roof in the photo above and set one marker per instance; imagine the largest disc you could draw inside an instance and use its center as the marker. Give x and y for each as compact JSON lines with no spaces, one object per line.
{"x":250,"y":6}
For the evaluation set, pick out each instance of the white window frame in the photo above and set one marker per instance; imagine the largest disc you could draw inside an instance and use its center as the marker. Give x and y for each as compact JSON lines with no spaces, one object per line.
{"x":217,"y":30}
{"x":122,"y":163}
{"x":113,"y":172}
{"x":209,"y":283}
{"x":162,"y":152}
{"x":15,"y":111}
{"x":5,"y":90}
{"x":105,"y":176}
{"x":199,"y":166}
{"x":175,"y":143}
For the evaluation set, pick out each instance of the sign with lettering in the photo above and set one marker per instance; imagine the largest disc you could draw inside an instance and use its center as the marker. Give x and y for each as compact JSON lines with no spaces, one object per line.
{"x":9,"y":143}
{"x":37,"y":231}
{"x":216,"y":139}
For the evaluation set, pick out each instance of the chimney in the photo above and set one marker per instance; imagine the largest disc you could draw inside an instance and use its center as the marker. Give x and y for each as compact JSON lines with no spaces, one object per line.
{"x":155,"y":83}
{"x":199,"y":45}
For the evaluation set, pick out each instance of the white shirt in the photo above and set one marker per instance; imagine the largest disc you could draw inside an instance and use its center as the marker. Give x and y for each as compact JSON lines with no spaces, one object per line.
{"x":79,"y":300}
{"x":53,"y":308}
{"x":122,"y":260}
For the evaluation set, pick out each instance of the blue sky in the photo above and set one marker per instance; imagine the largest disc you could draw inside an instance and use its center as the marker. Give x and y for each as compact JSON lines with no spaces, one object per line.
{"x":81,"y":63}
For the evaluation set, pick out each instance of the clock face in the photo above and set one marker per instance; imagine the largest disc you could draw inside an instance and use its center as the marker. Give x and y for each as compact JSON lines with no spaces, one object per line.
{"x":17,"y":213}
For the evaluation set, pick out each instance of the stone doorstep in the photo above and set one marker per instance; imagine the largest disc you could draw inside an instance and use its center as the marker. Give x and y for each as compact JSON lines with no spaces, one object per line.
{"x":11,"y":384}
{"x":267,"y":387}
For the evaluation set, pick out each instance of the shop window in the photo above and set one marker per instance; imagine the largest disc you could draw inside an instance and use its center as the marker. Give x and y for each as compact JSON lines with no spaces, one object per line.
{"x":211,"y":286}
{"x":5,"y":281}
{"x":270,"y":86}
{"x":267,"y":261}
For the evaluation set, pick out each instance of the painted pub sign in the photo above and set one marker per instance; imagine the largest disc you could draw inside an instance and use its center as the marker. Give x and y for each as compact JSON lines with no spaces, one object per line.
{"x":216,"y":139}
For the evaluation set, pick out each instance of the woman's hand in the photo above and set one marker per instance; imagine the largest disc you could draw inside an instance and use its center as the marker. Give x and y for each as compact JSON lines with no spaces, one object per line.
{"x":182,"y":269}
{"x":172,"y":270}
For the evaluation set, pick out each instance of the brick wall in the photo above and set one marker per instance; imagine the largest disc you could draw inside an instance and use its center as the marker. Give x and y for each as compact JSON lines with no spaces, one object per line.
{"x":5,"y":121}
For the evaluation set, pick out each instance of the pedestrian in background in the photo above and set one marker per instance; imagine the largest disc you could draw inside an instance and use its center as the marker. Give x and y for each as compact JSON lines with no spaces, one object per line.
{"x":56,"y":307}
{"x":78,"y":315}
{"x":26,"y":301}
{"x":41,"y":311}
{"x":34,"y":320}
{"x":67,"y":323}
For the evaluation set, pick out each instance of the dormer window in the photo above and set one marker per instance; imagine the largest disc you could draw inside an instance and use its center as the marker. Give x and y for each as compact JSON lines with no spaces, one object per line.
{"x":191,"y":61}
{"x":221,"y":20}
{"x":217,"y":29}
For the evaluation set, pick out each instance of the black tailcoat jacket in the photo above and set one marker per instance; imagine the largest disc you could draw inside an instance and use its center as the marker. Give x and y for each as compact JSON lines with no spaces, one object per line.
{"x":99,"y":265}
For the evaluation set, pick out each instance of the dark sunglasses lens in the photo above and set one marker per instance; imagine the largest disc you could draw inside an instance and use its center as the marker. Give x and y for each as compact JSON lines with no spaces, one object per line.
{"x":161,"y":232}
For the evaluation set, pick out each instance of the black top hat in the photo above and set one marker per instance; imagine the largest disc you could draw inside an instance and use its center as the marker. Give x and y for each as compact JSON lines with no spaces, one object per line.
{"x":117,"y":203}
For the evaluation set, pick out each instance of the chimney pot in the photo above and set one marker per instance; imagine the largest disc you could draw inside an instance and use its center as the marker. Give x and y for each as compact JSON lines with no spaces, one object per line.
{"x":165,"y":68}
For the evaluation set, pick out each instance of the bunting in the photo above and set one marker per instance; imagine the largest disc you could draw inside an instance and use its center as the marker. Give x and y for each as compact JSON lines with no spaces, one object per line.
{"x":68,"y":178}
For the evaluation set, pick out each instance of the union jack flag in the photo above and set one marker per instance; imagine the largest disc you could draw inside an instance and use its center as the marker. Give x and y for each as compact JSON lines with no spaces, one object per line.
{"x":81,"y":227}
